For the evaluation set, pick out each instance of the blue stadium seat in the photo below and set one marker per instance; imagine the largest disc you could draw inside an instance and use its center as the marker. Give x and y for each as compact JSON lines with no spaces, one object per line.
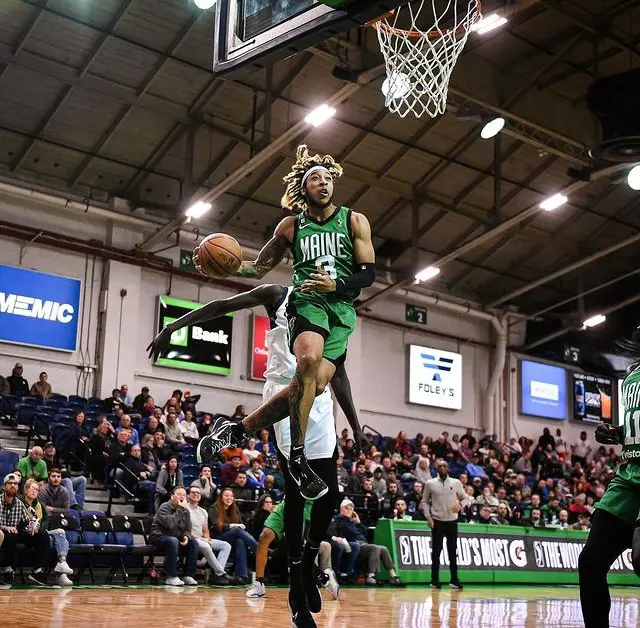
{"x":24,"y":415}
{"x":8,"y":461}
{"x":77,"y":400}
{"x":59,"y":397}
{"x":98,"y":530}
{"x":30,"y":400}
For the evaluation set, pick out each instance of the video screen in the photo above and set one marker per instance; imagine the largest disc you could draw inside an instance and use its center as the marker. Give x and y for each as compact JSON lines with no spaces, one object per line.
{"x":543,"y":390}
{"x":592,"y":398}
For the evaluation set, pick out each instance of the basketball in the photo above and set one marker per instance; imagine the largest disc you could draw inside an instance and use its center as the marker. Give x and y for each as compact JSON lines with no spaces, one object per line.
{"x":220,"y":255}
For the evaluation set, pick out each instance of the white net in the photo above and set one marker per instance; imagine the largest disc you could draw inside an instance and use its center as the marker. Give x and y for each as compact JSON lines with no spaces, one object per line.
{"x":420,"y":55}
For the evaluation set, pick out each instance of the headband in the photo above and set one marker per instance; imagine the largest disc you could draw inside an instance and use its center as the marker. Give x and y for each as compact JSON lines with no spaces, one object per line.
{"x":309,"y":172}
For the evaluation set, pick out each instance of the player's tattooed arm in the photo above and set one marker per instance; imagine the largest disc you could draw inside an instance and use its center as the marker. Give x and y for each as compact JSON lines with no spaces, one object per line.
{"x":272,"y":252}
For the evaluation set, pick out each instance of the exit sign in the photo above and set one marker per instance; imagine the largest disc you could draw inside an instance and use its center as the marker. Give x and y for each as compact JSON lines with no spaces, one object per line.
{"x":572,"y":355}
{"x":415,"y":314}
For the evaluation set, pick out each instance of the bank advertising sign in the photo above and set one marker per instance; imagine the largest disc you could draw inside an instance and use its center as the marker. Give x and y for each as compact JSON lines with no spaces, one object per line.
{"x":39,"y":309}
{"x":435,"y":377}
{"x":204,"y":347}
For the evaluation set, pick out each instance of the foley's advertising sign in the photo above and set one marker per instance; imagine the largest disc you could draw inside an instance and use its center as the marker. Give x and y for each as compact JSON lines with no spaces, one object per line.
{"x":435,"y":377}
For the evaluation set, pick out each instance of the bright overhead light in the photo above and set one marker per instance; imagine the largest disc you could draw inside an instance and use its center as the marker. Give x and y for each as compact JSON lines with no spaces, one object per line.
{"x":553,"y":202}
{"x":633,"y":178}
{"x":489,"y":23}
{"x":204,"y":4}
{"x":396,"y":85}
{"x":594,"y":320}
{"x":198,"y":209}
{"x":428,"y":273}
{"x":320,"y":115}
{"x":492,"y":128}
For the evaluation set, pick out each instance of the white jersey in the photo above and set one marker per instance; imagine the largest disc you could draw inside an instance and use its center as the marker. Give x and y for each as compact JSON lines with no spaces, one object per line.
{"x":320,"y":440}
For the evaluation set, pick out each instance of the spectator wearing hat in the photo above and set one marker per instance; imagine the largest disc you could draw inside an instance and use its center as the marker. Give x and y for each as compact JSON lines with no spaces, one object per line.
{"x":168,"y":478}
{"x":230,"y":470}
{"x":16,"y":528}
{"x":379,"y":483}
{"x":32,"y":466}
{"x":18,"y":385}
{"x":171,"y":532}
{"x":42,"y":387}
{"x":138,"y":401}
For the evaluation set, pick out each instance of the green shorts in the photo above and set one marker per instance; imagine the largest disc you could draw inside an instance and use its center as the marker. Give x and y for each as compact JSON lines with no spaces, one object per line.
{"x":275,"y":521}
{"x":622,"y":497}
{"x":334,"y":320}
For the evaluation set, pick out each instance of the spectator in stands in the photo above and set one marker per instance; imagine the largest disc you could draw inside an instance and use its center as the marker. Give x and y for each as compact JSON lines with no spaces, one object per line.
{"x":349,"y":450}
{"x":226,"y":524}
{"x":502,"y":516}
{"x":138,"y":402}
{"x":551,"y":511}
{"x":346,"y":526}
{"x":367,"y":488}
{"x":523,"y":464}
{"x":14,"y":524}
{"x":208,"y":546}
{"x":119,"y":448}
{"x":172,"y":431}
{"x":484,"y":516}
{"x":230,"y":452}
{"x":250,"y":452}
{"x":138,"y":479}
{"x":149,"y":456}
{"x":125,"y":424}
{"x":5,"y":387}
{"x":18,"y":385}
{"x":208,"y":488}
{"x":546,"y":439}
{"x":562,"y":447}
{"x":173,"y":405}
{"x":42,"y":387}
{"x":75,"y":444}
{"x":269,"y":457}
{"x":76,"y":485}
{"x":153,"y":425}
{"x":440,"y":448}
{"x":100,"y":446}
{"x":577,"y":507}
{"x":149,"y":408}
{"x":264,"y":440}
{"x":115,"y":401}
{"x":400,"y":510}
{"x":536,"y":519}
{"x":379,"y":484}
{"x":54,"y":497}
{"x":205,"y":426}
{"x":239,"y":413}
{"x":169,"y":477}
{"x":563,"y":520}
{"x":125,"y":396}
{"x":263,"y":510}
{"x":355,"y":483}
{"x":393,"y":492}
{"x":488,"y":499}
{"x":171,"y":532}
{"x":402,"y":446}
{"x":161,"y":450}
{"x":342,"y":441}
{"x":39,"y":520}
{"x":189,"y":428}
{"x":33,"y":466}
{"x":230,"y":471}
{"x":514,"y":447}
{"x":413,"y":498}
{"x":581,"y":450}
{"x":241,"y":489}
{"x":422,"y":472}
{"x":255,"y":475}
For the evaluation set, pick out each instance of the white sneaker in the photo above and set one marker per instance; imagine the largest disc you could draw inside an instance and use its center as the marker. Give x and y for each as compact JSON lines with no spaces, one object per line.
{"x":190,"y":582}
{"x":63,"y":567}
{"x":63,"y":580}
{"x":332,"y":586}
{"x":174,"y":582}
{"x":256,"y":590}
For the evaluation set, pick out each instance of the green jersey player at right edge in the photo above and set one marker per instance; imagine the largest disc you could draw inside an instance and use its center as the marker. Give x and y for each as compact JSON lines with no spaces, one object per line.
{"x":614,"y":528}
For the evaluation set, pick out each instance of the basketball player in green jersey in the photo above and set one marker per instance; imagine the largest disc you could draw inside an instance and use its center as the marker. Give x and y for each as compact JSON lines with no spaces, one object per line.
{"x":333,"y":260}
{"x":617,"y":513}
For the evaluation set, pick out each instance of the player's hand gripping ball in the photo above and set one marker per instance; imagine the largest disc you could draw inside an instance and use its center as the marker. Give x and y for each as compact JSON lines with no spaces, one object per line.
{"x":218,"y":255}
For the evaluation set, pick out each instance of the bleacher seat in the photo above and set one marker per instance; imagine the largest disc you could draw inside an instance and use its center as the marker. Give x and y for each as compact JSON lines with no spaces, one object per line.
{"x":98,"y":531}
{"x":8,"y":461}
{"x":31,"y":400}
{"x":77,"y":401}
{"x":24,"y":416}
{"x":58,"y":397}
{"x":127,"y":529}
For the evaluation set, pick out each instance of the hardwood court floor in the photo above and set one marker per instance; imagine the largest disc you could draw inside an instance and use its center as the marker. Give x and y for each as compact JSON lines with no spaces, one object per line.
{"x":414,"y":607}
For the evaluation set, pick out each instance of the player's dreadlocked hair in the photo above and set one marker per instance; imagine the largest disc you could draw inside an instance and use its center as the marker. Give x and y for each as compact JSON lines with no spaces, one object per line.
{"x":293,"y":198}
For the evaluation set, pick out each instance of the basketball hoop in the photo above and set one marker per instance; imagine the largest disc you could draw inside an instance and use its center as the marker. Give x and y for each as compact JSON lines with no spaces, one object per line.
{"x":419,"y":62}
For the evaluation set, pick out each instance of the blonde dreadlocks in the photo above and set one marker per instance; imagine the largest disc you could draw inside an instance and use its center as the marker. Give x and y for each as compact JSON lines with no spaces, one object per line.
{"x":293,"y":199}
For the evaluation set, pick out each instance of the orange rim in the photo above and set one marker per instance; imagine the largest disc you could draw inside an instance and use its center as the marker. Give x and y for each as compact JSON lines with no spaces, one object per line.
{"x":379,"y":24}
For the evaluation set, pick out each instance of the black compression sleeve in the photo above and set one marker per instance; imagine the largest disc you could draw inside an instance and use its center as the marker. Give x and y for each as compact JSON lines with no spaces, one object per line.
{"x":362,"y":279}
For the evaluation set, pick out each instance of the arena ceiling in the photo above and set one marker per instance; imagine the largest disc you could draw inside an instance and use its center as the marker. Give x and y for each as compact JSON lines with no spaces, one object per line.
{"x":115,"y":98}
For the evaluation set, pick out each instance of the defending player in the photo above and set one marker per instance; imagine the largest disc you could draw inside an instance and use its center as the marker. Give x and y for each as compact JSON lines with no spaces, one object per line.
{"x":617,"y":512}
{"x":333,"y":260}
{"x":320,"y":437}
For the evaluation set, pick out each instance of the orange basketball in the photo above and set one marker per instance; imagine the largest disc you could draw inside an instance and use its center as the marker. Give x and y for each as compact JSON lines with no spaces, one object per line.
{"x":220,"y":255}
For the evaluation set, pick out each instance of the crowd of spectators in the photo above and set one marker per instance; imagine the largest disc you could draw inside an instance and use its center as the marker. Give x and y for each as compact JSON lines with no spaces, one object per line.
{"x":144,"y":450}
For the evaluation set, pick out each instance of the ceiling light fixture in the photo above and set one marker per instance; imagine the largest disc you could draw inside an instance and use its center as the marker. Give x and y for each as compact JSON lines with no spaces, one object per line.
{"x":320,"y":115}
{"x":198,"y":209}
{"x":633,"y":178}
{"x":204,"y":4}
{"x":594,"y":320}
{"x":553,"y":202}
{"x":492,"y":128}
{"x":428,"y":273}
{"x":489,"y":23}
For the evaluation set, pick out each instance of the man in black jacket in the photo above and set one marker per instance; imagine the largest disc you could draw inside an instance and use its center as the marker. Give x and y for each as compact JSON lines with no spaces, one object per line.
{"x":18,"y":384}
{"x":171,"y":532}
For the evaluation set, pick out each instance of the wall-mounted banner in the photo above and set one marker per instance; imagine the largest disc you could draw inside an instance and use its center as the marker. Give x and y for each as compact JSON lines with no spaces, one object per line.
{"x":39,"y":309}
{"x":205,"y":347}
{"x":260,"y":325}
{"x":543,"y":390}
{"x":435,"y":377}
{"x":592,"y":398}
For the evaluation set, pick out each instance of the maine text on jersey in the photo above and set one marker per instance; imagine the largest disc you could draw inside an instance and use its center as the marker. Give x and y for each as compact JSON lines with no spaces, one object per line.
{"x":323,"y":243}
{"x":631,"y":395}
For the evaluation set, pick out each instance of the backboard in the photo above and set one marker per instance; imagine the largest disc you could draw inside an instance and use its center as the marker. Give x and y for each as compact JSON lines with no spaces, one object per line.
{"x":253,"y":34}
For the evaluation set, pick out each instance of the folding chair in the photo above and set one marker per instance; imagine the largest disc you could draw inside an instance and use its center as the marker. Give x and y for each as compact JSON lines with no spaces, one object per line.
{"x":97,"y":530}
{"x":78,"y":401}
{"x":126,"y":530}
{"x":8,"y":461}
{"x":77,"y":546}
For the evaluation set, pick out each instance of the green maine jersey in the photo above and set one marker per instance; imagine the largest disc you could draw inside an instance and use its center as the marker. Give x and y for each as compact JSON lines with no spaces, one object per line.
{"x":631,"y":426}
{"x":327,"y":244}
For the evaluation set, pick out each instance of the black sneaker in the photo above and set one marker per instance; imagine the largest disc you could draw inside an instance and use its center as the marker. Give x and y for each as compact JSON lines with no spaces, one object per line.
{"x":220,"y":581}
{"x":310,"y":580}
{"x":300,"y":615}
{"x":396,"y":582}
{"x":311,"y":486}
{"x":37,"y":577}
{"x":436,"y":585}
{"x":9,"y":578}
{"x":224,"y":433}
{"x":456,"y":585}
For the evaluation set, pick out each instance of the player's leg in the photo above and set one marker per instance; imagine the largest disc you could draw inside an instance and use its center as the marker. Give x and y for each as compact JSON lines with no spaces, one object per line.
{"x":608,"y":538}
{"x":267,"y":536}
{"x":437,"y":536}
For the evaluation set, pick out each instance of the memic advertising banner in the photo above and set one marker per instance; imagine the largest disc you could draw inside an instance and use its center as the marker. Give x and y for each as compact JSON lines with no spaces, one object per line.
{"x":39,"y":309}
{"x":205,"y":347}
{"x":435,"y":377}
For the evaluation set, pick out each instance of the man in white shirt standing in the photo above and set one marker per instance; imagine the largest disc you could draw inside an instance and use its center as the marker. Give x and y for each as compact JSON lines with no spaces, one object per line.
{"x":581,"y":450}
{"x":442,"y":499}
{"x":207,"y":545}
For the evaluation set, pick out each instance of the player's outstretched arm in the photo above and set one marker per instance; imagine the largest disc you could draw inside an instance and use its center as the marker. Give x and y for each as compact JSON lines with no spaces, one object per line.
{"x":341,"y":387}
{"x":272,"y":252}
{"x":266,"y":295}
